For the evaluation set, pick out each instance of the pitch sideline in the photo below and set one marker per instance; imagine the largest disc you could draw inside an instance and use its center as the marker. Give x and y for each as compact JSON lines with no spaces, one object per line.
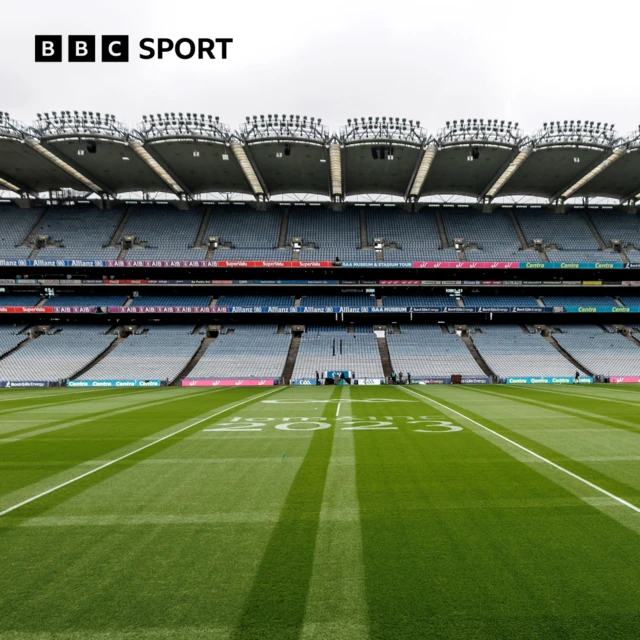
{"x":127,"y":455}
{"x":622,"y":501}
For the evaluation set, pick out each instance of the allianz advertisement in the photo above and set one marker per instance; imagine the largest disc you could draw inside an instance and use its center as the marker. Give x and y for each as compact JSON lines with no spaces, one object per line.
{"x":113,"y":383}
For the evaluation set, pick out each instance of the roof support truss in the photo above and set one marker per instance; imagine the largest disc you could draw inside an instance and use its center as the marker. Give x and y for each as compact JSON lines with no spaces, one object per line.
{"x":591,"y":173}
{"x":503,"y":177}
{"x":155,"y":166}
{"x":421,"y":172}
{"x":335,"y":160}
{"x":65,"y":166}
{"x":247,"y":168}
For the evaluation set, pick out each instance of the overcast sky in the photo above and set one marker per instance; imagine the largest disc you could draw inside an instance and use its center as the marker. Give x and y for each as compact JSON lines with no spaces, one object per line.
{"x":430,"y":61}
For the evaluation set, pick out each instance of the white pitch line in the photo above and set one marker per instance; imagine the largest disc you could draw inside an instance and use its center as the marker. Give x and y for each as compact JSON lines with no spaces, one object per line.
{"x":43,"y":395}
{"x":533,"y":453}
{"x":127,"y":455}
{"x":338,"y":409}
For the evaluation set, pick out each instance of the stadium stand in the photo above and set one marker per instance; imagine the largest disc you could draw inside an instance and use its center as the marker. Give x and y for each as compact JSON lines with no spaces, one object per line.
{"x":19,"y":300}
{"x":425,"y":351}
{"x":320,"y":351}
{"x":79,"y":233}
{"x":602,"y":352}
{"x":499,"y":301}
{"x":57,"y":355}
{"x":15,"y":225}
{"x":250,"y":232}
{"x":415,"y":235}
{"x":419,"y":301}
{"x":171,"y":301}
{"x":579,"y":301}
{"x":334,"y":234}
{"x":613,"y":225}
{"x":68,"y":300}
{"x":154,"y":355}
{"x":256,"y":301}
{"x":583,"y":256}
{"x":510,"y":352}
{"x":338,"y":301}
{"x":568,"y":231}
{"x":630,"y":301}
{"x":493,"y":233}
{"x":167,"y":232}
{"x":248,"y":352}
{"x":9,"y":338}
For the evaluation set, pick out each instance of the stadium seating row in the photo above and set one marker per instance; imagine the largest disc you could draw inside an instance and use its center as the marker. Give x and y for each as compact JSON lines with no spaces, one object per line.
{"x":261,"y":351}
{"x":161,"y":231}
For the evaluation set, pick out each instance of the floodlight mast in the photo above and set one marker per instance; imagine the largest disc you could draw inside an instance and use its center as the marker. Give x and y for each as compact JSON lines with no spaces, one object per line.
{"x":585,"y":133}
{"x":183,"y":125}
{"x":480,"y":131}
{"x":10,"y":128}
{"x":79,"y":123}
{"x":284,"y":127}
{"x":383,"y":129}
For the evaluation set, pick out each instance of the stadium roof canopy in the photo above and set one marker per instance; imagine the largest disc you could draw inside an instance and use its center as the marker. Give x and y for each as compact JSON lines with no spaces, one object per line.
{"x":187,"y":154}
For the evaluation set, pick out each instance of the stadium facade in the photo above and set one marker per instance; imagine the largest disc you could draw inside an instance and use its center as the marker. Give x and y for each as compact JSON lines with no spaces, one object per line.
{"x":103,"y":289}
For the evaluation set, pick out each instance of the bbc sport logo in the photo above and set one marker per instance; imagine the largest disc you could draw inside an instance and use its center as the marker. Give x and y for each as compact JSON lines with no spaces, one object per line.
{"x":116,"y":48}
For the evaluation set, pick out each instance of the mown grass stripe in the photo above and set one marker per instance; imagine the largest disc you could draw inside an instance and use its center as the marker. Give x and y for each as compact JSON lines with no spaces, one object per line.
{"x":598,"y":419}
{"x":127,"y":455}
{"x":19,"y":434}
{"x":614,"y":497}
{"x":276,"y":605}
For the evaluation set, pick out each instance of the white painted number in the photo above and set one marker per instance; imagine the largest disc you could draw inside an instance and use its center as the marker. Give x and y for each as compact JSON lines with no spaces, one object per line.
{"x":287,"y":424}
{"x":255,"y":424}
{"x":365,"y":425}
{"x":433,"y":425}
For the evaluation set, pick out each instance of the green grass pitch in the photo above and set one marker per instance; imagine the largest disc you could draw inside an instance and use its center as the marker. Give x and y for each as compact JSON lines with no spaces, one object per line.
{"x":338,"y":513}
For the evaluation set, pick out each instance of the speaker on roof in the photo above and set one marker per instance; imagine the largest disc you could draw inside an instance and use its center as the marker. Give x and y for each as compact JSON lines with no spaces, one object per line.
{"x":92,"y":146}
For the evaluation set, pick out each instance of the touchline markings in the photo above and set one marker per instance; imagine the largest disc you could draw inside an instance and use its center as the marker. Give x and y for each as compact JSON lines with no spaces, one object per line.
{"x":622,"y":501}
{"x":127,"y":455}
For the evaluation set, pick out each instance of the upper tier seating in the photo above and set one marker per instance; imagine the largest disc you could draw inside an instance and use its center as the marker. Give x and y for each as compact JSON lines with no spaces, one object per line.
{"x":338,"y":301}
{"x":15,"y":225}
{"x":169,"y":233}
{"x":419,"y":301}
{"x":256,"y":301}
{"x":568,"y":231}
{"x":499,"y":301}
{"x":579,"y":301}
{"x":82,"y":232}
{"x":171,"y":301}
{"x":19,"y":300}
{"x":245,"y":228}
{"x":492,"y":232}
{"x":69,"y":300}
{"x":614,"y":225}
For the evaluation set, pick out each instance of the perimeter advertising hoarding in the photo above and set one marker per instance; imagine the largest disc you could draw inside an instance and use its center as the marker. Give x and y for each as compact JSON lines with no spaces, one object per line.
{"x":22,"y":384}
{"x":548,"y":380}
{"x":303,"y":382}
{"x":228,"y":383}
{"x":266,"y":264}
{"x":624,"y":379}
{"x":113,"y":383}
